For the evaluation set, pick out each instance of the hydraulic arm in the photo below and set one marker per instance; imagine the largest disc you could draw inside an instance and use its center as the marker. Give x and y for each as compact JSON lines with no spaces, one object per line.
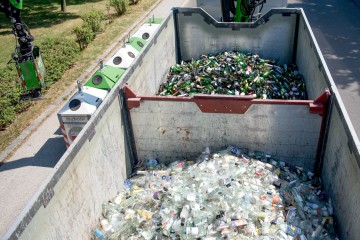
{"x":12,"y":11}
{"x":28,"y":60}
{"x":240,"y":10}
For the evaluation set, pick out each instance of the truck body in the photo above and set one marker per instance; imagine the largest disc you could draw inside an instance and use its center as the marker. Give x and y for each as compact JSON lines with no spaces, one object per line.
{"x":132,"y":124}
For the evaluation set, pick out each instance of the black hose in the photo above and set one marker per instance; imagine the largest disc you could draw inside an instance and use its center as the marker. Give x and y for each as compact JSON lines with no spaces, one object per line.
{"x":247,"y":7}
{"x":226,"y":9}
{"x":233,"y":6}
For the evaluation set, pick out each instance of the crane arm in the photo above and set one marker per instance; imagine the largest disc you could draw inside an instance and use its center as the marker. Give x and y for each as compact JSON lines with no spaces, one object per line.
{"x":28,"y":60}
{"x":12,"y":10}
{"x":242,"y":12}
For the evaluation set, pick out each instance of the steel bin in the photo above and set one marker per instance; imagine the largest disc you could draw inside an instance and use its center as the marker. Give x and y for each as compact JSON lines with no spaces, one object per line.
{"x":78,"y":110}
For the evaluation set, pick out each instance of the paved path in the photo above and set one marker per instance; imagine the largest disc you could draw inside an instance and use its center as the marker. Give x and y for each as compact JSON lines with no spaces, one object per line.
{"x":336,"y":26}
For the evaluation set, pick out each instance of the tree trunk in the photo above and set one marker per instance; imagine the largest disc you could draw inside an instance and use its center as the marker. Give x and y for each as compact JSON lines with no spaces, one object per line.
{"x":63,"y":5}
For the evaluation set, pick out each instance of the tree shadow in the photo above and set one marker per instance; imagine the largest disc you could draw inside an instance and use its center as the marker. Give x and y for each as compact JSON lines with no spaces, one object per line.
{"x":47,"y":156}
{"x":42,"y":14}
{"x":337,"y":30}
{"x":76,"y":2}
{"x":45,"y":16}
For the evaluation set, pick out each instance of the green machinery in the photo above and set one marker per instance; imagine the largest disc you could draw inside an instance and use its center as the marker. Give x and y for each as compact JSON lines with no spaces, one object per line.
{"x":242,"y":10}
{"x":32,"y":73}
{"x":27,"y":58}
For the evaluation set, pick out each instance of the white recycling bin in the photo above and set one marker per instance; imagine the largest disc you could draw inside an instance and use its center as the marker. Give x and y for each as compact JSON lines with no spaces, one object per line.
{"x":78,"y":110}
{"x":124,"y":57}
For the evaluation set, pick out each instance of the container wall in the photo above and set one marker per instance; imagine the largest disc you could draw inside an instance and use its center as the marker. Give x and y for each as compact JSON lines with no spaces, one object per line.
{"x":271,"y":37}
{"x":90,"y":173}
{"x":309,"y":63}
{"x":341,"y":160}
{"x":213,"y":7}
{"x":155,"y":61}
{"x":95,"y":165}
{"x":170,"y":131}
{"x":341,"y":176}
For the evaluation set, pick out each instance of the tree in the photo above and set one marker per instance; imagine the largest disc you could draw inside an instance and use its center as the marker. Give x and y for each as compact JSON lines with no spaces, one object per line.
{"x":63,"y":5}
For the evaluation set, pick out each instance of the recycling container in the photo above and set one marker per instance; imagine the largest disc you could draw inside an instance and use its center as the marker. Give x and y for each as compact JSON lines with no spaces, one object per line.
{"x":78,"y":110}
{"x":123,"y":57}
{"x":146,"y":31}
{"x":134,"y":124}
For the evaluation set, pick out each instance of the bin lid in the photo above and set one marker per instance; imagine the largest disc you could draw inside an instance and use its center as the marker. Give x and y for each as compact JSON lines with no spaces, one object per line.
{"x":84,"y":103}
{"x":137,"y":43}
{"x":154,"y":20}
{"x":146,"y":31}
{"x":105,"y":78}
{"x":124,"y":57}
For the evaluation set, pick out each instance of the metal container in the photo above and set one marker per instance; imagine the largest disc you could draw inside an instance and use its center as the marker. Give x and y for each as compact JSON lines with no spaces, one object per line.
{"x":78,"y":110}
{"x":133,"y":124}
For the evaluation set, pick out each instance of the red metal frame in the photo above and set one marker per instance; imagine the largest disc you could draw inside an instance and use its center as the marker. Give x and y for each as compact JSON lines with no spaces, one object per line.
{"x":226,"y":103}
{"x":236,"y":105}
{"x":318,"y":106}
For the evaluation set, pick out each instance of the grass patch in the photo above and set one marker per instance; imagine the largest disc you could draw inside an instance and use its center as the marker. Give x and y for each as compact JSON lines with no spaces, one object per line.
{"x":45,"y":21}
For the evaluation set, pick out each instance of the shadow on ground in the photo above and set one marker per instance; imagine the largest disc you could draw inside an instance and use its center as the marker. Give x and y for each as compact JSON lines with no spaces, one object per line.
{"x":48,"y":155}
{"x":42,"y":14}
{"x":336,"y":27}
{"x":42,"y":18}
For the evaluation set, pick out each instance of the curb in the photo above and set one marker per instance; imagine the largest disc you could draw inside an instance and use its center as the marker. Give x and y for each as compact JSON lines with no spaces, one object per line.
{"x":4,"y":155}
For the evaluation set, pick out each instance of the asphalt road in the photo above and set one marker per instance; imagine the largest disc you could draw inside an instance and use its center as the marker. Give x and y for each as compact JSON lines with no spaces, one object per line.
{"x":336,"y":27}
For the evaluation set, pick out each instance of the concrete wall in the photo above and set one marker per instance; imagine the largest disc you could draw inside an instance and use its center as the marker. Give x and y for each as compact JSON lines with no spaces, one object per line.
{"x":341,"y":176}
{"x":170,"y":131}
{"x":341,"y":160}
{"x":90,"y":172}
{"x":309,"y":62}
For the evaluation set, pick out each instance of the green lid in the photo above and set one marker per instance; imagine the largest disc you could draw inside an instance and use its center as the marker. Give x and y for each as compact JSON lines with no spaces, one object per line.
{"x":105,"y":78}
{"x":137,"y":43}
{"x":155,"y":20}
{"x":17,"y":3}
